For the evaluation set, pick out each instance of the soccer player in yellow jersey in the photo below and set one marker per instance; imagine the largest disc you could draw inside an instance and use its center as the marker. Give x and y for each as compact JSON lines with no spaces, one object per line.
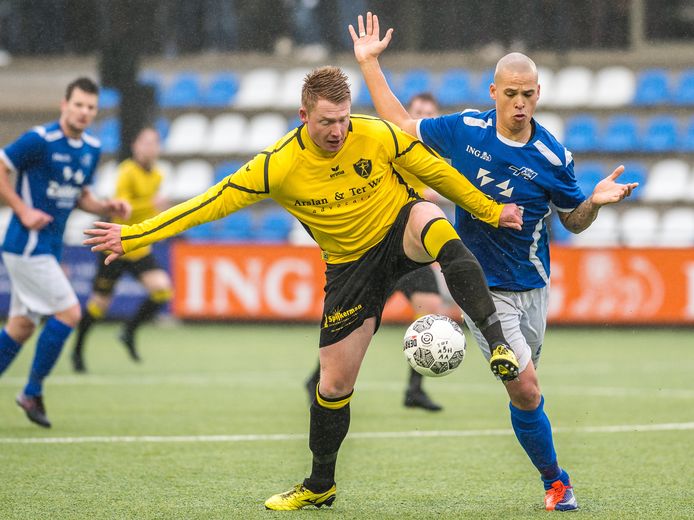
{"x":338,"y":175}
{"x":138,"y":182}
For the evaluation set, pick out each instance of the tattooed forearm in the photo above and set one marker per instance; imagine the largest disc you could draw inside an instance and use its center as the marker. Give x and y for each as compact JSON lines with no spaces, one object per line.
{"x":580,"y":218}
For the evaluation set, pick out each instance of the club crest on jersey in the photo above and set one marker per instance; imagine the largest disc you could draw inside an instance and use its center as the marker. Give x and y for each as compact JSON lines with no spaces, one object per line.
{"x":363,"y":168}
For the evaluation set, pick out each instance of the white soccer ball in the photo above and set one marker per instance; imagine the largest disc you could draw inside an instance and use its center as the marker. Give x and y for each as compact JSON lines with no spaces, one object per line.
{"x":434,"y":345}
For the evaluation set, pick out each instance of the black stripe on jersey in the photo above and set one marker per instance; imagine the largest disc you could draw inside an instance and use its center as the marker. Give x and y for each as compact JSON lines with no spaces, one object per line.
{"x":410,"y":190}
{"x":298,"y":136}
{"x":392,"y":132}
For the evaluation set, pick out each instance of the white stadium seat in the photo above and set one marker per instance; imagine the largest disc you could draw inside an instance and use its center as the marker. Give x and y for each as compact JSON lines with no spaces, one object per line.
{"x":76,"y":223}
{"x":354,"y":78}
{"x":263,"y":131}
{"x":614,"y":87}
{"x":552,"y":122}
{"x":193,"y":177}
{"x":168,"y":182}
{"x":546,"y":79}
{"x":227,"y":134}
{"x":105,"y":181}
{"x":603,"y":232}
{"x":639,"y":226}
{"x":573,"y":87}
{"x":187,"y":134}
{"x":289,"y":95}
{"x":677,"y":228}
{"x":668,"y":180}
{"x":259,"y":89}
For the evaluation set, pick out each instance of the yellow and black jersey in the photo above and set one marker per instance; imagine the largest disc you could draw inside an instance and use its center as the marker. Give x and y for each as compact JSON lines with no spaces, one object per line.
{"x":139,"y":187}
{"x":347,"y":199}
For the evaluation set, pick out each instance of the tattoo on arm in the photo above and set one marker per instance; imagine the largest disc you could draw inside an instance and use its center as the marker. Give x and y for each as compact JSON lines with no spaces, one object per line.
{"x":580,"y":218}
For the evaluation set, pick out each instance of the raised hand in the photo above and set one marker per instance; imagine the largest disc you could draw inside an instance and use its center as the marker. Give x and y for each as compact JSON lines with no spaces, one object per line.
{"x":608,"y":191}
{"x":368,"y":43}
{"x":105,"y":237}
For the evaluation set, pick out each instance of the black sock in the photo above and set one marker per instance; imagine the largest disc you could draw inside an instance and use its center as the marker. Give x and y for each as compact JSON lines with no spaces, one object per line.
{"x":415,"y":384}
{"x":468,"y":286}
{"x":327,"y":431}
{"x":146,"y":312}
{"x":82,"y":328}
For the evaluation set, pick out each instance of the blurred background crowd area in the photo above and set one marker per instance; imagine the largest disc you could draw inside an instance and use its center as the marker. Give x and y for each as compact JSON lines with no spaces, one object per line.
{"x":220,"y":79}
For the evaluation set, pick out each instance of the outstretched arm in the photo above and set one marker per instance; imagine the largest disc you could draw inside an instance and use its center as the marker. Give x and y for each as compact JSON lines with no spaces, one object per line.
{"x":105,"y":237}
{"x":367,"y":47}
{"x":607,"y":191}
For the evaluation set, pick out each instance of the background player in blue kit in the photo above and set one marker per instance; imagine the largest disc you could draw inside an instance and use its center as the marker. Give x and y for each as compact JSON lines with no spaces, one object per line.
{"x":55,"y":164}
{"x":511,"y":158}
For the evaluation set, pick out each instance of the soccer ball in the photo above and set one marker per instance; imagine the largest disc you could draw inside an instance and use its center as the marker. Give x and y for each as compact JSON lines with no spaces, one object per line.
{"x":434,"y":345}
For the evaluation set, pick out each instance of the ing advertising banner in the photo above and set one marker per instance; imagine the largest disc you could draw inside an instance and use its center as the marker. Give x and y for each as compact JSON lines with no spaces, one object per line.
{"x":285,"y":283}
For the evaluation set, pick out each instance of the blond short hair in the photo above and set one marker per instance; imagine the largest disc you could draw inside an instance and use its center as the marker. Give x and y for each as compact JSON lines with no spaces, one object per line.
{"x":329,"y":83}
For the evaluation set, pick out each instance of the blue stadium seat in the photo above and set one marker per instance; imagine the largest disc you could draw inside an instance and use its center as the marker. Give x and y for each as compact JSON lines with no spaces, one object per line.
{"x":620,"y":134}
{"x":652,"y":87}
{"x":364,"y":98}
{"x":454,"y":87}
{"x":683,"y":93}
{"x":588,"y":174}
{"x":237,"y":227}
{"x":108,"y":132}
{"x":221,"y":90}
{"x":635,"y":172}
{"x":274,"y":226}
{"x":184,"y":91}
{"x":558,"y":234}
{"x":162,"y":126}
{"x":480,"y":92}
{"x":660,"y":134}
{"x":153,"y":79}
{"x":203,"y":233}
{"x":414,"y":81}
{"x":686,"y":143}
{"x":225,"y":169}
{"x":581,"y":133}
{"x":108,"y":98}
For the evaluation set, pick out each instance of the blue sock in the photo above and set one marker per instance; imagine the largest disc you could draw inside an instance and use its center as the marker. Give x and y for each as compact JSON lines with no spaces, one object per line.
{"x":534,"y":432}
{"x":48,"y":348}
{"x":9,"y":349}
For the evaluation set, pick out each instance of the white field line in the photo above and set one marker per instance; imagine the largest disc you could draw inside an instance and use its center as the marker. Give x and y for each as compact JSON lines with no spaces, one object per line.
{"x":620,"y":428}
{"x":256,"y":380}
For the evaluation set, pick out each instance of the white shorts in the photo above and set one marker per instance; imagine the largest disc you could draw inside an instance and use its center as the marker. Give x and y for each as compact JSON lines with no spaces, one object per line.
{"x":39,"y":286}
{"x":523,"y":317}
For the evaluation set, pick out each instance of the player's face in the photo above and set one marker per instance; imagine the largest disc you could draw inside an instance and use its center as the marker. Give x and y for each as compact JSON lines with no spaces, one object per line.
{"x":422,"y":108}
{"x":327,"y":123}
{"x":78,"y":112}
{"x":146,"y":147}
{"x":516,"y":96}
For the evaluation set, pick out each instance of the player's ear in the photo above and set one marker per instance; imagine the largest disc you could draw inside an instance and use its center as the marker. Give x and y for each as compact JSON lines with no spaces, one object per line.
{"x":303,"y":115}
{"x":538,"y":91}
{"x":492,"y":91}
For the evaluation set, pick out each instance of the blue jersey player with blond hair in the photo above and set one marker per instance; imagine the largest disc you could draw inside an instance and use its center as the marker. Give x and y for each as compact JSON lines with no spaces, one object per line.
{"x":509,"y":156}
{"x":55,"y":165}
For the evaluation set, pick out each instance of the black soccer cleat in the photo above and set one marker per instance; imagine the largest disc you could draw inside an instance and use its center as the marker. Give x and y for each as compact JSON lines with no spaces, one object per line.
{"x":419,"y":399}
{"x":129,"y":342}
{"x":78,"y":362}
{"x":34,"y":409}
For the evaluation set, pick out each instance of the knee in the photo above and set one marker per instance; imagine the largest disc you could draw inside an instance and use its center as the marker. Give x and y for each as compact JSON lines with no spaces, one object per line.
{"x":334,"y":388}
{"x":20,"y":328}
{"x":70,"y":317}
{"x":527,"y":398}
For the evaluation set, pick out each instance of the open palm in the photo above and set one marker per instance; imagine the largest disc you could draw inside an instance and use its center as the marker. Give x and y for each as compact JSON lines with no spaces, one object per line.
{"x":367,"y":42}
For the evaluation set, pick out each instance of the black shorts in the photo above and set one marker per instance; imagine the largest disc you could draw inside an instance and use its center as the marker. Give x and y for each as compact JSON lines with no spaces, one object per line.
{"x":358,"y":290}
{"x":422,"y":280}
{"x":107,"y":275}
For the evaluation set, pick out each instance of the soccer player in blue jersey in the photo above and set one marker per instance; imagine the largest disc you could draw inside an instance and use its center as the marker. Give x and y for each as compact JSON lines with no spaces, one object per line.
{"x":511,"y":158}
{"x":55,"y":164}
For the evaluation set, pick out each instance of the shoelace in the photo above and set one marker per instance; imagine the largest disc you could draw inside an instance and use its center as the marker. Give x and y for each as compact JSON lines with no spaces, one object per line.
{"x":556,"y":492}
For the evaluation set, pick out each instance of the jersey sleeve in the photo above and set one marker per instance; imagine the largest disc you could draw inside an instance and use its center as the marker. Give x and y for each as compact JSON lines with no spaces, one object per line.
{"x":25,"y":152}
{"x":247,"y":185}
{"x":564,"y":192}
{"x":436,"y":173}
{"x":438,"y":133}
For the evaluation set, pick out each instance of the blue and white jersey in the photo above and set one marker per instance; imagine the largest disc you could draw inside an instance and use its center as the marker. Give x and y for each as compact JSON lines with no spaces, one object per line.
{"x":52,"y":170}
{"x":531,"y":175}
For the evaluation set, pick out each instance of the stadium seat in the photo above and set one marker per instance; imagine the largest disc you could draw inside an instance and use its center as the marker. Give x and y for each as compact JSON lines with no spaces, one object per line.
{"x":227,"y":134}
{"x":109,"y":98}
{"x":581,"y":133}
{"x":558,"y":234}
{"x":259,"y":89}
{"x":480,"y":90}
{"x":573,"y":87}
{"x":193,"y":177}
{"x":298,"y":236}
{"x":588,"y":174}
{"x":652,"y":87}
{"x":108,"y":132}
{"x":660,"y":134}
{"x":154,"y":80}
{"x":289,"y":94}
{"x":683,"y":92}
{"x":221,"y":90}
{"x":639,"y":226}
{"x":206,"y":232}
{"x":183,"y":92}
{"x":620,"y":134}
{"x":274,"y":226}
{"x":77,"y":222}
{"x":362,"y":97}
{"x":263,"y":131}
{"x":413,"y":81}
{"x":237,"y":227}
{"x":603,"y":232}
{"x":552,"y":122}
{"x":162,"y":125}
{"x":686,"y":141}
{"x":546,"y":79}
{"x":104,"y":184}
{"x":187,"y":134}
{"x":168,"y":182}
{"x":668,"y":181}
{"x":225,"y":169}
{"x":676,"y":228}
{"x":614,"y":87}
{"x":454,"y":88}
{"x":354,"y":78}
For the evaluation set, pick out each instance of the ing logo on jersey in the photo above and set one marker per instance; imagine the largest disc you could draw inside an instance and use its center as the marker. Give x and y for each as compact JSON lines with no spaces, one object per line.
{"x":363,"y":168}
